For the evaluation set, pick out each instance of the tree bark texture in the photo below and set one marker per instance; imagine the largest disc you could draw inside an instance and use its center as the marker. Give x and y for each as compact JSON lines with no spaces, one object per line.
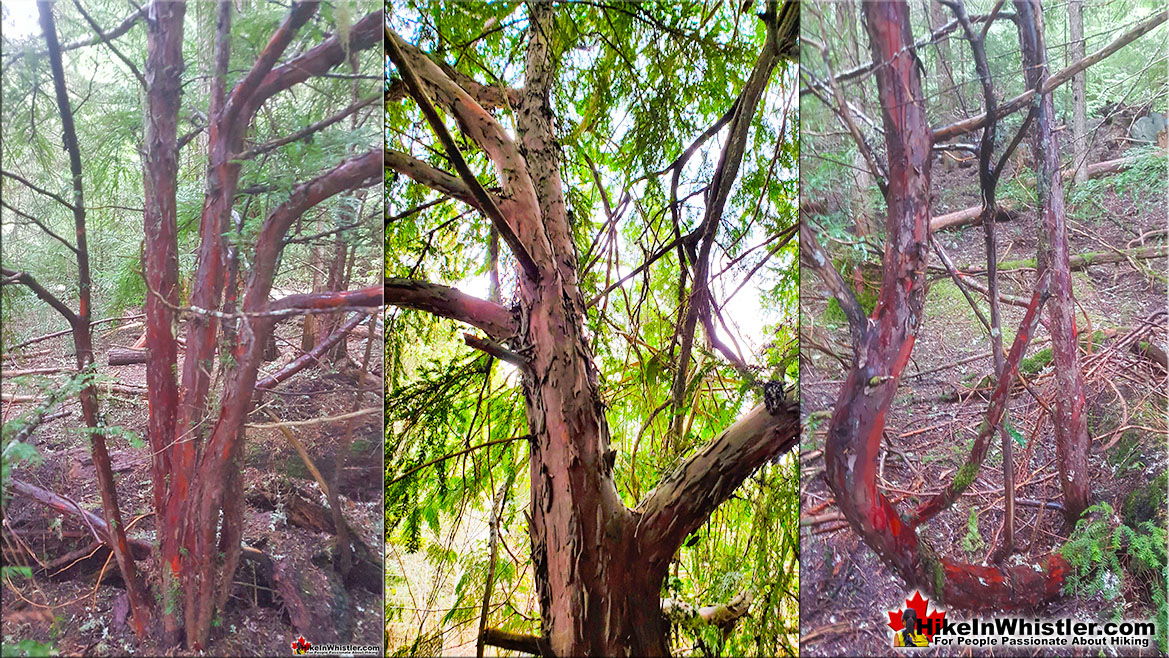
{"x":858,"y":422}
{"x":1071,"y":421}
{"x":195,"y":478}
{"x":598,"y":565}
{"x":83,"y":338}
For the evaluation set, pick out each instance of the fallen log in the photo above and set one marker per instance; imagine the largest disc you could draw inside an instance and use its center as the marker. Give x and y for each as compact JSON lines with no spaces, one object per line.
{"x":1151,"y":351}
{"x":34,"y":371}
{"x":311,"y":356}
{"x":970,"y":215}
{"x":121,"y":356}
{"x":138,"y":547}
{"x":1082,"y":261}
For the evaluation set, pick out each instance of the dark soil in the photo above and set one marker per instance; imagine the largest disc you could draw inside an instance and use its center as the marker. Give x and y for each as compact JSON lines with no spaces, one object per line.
{"x":846,"y":591}
{"x":65,"y":607}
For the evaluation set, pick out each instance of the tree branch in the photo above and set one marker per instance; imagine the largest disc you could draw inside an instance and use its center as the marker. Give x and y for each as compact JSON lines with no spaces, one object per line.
{"x":56,"y":197}
{"x":537,"y":646}
{"x":684,"y":500}
{"x":447,"y":302}
{"x":307,"y":130}
{"x":432,"y":177}
{"x":311,"y":356}
{"x":323,"y":300}
{"x":114,"y":33}
{"x":40,"y":291}
{"x":244,"y":90}
{"x":814,"y":256}
{"x":1023,"y":100}
{"x":485,"y":202}
{"x":42,"y":226}
{"x":319,"y":59}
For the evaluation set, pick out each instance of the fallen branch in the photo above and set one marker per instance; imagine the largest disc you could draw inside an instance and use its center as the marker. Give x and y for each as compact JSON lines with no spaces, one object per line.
{"x":537,"y":646}
{"x":1007,"y":210}
{"x":312,"y":421}
{"x":680,"y":612}
{"x":33,"y":371}
{"x":311,"y":356}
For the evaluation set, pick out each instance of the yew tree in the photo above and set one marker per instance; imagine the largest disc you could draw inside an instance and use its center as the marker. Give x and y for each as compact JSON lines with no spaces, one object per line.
{"x":230,"y":179}
{"x":883,"y":340}
{"x":585,"y":189}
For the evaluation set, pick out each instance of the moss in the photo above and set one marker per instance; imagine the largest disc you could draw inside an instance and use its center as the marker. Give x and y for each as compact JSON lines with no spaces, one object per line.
{"x":1036,"y":362}
{"x":932,"y":565}
{"x":1145,"y":503}
{"x":1017,"y":264}
{"x":833,"y":314}
{"x":965,"y":476}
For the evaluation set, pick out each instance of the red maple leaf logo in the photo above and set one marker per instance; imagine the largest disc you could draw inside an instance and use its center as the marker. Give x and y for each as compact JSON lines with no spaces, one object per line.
{"x":930,"y":623}
{"x":301,"y":646}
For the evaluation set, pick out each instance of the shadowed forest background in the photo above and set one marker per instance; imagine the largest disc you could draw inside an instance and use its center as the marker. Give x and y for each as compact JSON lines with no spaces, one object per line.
{"x":987,"y":429}
{"x":612,"y":363}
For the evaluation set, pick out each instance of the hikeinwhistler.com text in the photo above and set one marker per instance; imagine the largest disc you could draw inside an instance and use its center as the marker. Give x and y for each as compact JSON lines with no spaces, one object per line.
{"x":1020,"y":632}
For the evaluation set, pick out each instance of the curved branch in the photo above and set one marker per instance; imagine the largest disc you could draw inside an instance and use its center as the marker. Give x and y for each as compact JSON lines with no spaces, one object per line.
{"x":242,"y":94}
{"x":49,"y":298}
{"x":324,"y":300}
{"x":318,"y":60}
{"x":684,"y":500}
{"x":447,"y":302}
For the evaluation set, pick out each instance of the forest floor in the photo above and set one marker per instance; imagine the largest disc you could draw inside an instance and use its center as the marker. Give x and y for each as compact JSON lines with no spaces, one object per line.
{"x":286,"y":515}
{"x":846,"y":591}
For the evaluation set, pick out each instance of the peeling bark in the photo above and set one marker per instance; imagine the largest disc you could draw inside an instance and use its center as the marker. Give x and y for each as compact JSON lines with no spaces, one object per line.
{"x":858,"y":422}
{"x":598,"y":565}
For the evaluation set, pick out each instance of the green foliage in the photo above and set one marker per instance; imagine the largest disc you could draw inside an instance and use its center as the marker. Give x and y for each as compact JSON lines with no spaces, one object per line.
{"x":634,"y":86}
{"x":26,"y":648}
{"x":972,"y":541}
{"x":1111,"y":558}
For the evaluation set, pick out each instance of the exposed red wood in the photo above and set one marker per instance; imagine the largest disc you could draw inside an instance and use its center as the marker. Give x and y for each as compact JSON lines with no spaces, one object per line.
{"x":857,"y":426}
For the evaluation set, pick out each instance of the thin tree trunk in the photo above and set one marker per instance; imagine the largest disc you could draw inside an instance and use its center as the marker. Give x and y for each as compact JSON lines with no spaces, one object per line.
{"x":1079,"y":93}
{"x":83,"y":338}
{"x":858,"y":422}
{"x":1071,"y":423}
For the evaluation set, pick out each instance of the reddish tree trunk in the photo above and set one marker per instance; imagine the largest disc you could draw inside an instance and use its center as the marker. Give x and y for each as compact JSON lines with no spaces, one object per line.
{"x":1071,"y":423}
{"x":165,"y":59}
{"x":598,"y":565}
{"x":858,"y":422}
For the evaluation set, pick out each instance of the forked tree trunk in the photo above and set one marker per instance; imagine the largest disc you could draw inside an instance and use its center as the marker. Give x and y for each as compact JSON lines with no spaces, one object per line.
{"x":1071,"y":423}
{"x":196,"y":479}
{"x":887,"y":339}
{"x":598,"y":565}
